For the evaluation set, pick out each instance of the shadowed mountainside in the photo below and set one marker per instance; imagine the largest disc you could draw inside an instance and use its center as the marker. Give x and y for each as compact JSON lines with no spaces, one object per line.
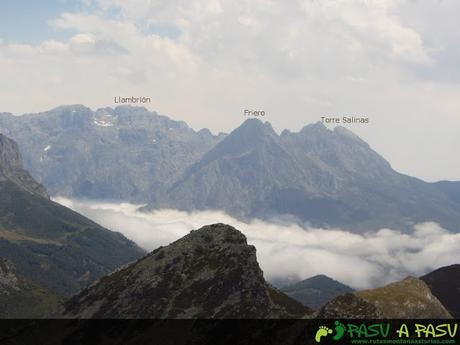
{"x":51,"y":245}
{"x":444,"y":283}
{"x":21,"y":298}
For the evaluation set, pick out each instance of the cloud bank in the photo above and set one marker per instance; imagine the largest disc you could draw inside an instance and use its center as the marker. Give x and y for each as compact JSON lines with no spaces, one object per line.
{"x":290,"y":252}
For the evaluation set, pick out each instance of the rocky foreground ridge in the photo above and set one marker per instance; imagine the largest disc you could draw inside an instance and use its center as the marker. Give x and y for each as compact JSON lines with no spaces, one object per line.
{"x":213,"y":273}
{"x":210,"y":273}
{"x":409,"y":298}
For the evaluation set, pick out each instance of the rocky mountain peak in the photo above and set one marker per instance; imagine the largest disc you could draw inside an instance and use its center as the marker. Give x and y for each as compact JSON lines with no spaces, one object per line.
{"x":350,"y":306}
{"x":255,"y":124}
{"x":216,"y":235}
{"x":209,"y":273}
{"x":252,"y":135}
{"x":10,"y":159}
{"x":252,"y":131}
{"x":128,"y":109}
{"x":408,"y":298}
{"x":72,"y":108}
{"x":11,"y":168}
{"x":74,"y":151}
{"x":314,"y":127}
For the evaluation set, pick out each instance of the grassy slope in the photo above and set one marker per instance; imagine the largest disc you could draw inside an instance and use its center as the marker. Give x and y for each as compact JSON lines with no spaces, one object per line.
{"x":55,"y":247}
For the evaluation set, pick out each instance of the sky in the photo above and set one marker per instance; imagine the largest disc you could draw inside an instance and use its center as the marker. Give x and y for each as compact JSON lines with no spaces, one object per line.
{"x":206,"y":61}
{"x":359,"y":260}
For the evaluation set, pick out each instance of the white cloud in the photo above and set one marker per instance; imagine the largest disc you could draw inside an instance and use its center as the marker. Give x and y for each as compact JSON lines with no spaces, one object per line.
{"x":287,"y":251}
{"x":392,"y":60}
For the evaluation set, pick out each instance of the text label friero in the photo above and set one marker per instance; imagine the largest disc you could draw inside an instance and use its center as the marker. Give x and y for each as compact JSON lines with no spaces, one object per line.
{"x":254,"y":112}
{"x":344,"y":119}
{"x":132,"y":100}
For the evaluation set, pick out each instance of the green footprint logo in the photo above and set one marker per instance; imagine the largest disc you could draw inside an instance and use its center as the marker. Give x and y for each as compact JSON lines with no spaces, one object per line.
{"x":339,"y":330}
{"x":323,"y":331}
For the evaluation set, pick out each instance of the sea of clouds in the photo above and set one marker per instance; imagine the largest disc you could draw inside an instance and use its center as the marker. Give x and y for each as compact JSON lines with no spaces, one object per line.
{"x":289,"y":252}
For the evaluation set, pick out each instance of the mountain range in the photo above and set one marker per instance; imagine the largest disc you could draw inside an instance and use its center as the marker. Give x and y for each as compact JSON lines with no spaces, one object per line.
{"x":50,"y":252}
{"x":126,"y":153}
{"x":317,"y":176}
{"x":322,"y":177}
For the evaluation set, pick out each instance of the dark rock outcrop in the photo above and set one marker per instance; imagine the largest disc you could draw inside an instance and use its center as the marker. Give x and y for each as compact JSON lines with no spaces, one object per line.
{"x":210,"y":273}
{"x":11,"y":168}
{"x":444,"y":283}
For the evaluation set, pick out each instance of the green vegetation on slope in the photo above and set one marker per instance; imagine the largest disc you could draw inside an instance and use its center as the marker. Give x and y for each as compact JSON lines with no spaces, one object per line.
{"x":55,"y":247}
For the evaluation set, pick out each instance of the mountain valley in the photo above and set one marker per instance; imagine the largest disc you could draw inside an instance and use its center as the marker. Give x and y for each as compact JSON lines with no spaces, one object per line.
{"x":49,"y":245}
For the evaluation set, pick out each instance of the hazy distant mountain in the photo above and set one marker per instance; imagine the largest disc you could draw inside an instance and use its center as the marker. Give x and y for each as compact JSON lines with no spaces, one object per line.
{"x":210,"y":273}
{"x":322,"y":177}
{"x":126,"y":153}
{"x":48,"y":244}
{"x":349,"y":306}
{"x":316,"y":291}
{"x":238,"y":175}
{"x":451,"y":189}
{"x":444,"y":283}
